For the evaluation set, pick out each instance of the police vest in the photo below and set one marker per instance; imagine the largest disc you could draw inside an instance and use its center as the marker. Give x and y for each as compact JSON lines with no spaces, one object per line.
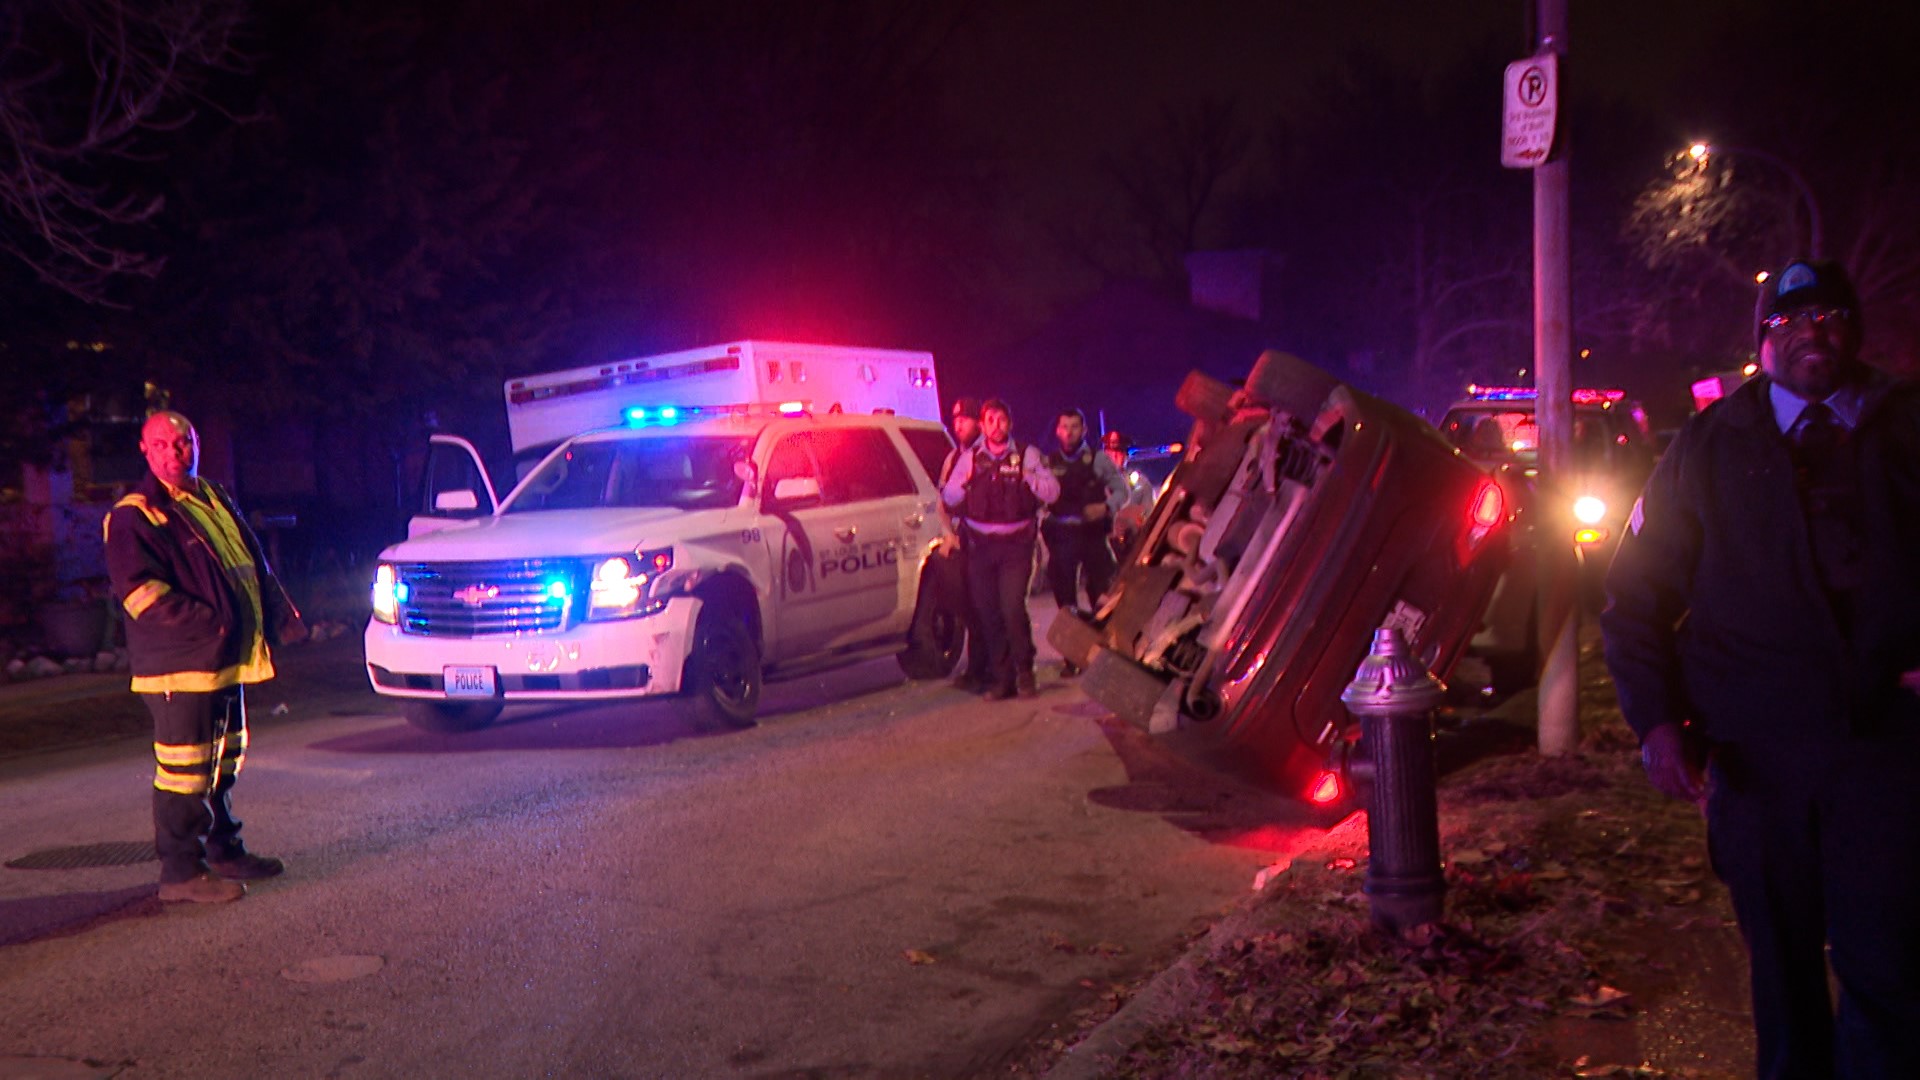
{"x":1080,"y":486}
{"x":997,"y":493}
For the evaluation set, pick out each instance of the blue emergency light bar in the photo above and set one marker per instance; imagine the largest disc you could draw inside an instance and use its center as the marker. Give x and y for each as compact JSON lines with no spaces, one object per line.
{"x":668,"y":415}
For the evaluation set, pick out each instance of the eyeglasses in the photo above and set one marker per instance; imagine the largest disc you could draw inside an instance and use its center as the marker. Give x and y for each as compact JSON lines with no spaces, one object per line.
{"x":1813,"y":316}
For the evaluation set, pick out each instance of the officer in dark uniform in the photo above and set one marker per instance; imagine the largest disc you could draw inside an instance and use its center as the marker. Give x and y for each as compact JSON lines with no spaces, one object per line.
{"x":1763,"y":629}
{"x":1077,"y":523}
{"x":964,"y":418}
{"x":998,"y":490}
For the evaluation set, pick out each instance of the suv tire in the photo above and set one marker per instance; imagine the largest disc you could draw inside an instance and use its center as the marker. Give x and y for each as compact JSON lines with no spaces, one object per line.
{"x":938,"y":634}
{"x":444,"y":719}
{"x":722,"y":682}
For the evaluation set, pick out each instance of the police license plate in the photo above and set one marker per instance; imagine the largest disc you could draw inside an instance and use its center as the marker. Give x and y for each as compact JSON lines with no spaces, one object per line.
{"x":469,"y":681}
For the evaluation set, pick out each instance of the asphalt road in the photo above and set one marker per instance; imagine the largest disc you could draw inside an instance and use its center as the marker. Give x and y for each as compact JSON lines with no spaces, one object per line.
{"x":881,"y":879}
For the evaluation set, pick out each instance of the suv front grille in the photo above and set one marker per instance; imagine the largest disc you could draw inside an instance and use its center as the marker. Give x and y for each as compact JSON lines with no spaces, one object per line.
{"x":509,"y":596}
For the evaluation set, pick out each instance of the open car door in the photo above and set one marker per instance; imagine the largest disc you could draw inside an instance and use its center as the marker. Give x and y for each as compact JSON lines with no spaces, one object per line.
{"x":454,"y":487}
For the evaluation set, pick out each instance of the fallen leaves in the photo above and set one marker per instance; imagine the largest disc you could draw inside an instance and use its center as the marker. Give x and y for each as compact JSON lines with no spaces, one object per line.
{"x":1533,"y":887}
{"x":918,"y":957}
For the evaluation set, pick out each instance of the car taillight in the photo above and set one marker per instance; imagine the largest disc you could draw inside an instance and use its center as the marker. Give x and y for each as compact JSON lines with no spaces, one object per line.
{"x":1325,"y":789}
{"x":1489,"y":505}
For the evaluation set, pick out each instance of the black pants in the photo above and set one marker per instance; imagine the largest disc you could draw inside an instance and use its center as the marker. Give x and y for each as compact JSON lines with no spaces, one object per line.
{"x":998,"y":570}
{"x":951,"y":571}
{"x":1071,"y":547}
{"x":1819,"y":844}
{"x":199,"y":743}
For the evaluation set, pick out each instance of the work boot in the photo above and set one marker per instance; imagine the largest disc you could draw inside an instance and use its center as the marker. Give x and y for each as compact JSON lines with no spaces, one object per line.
{"x":969,"y":684}
{"x":998,"y":692}
{"x":1026,"y":685}
{"x":247,"y":867}
{"x":205,"y":889}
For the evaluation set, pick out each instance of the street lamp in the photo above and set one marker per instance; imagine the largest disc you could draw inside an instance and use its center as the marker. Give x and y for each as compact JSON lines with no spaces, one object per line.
{"x":1700,"y":151}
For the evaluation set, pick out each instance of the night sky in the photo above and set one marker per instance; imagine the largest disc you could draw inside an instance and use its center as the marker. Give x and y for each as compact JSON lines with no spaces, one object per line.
{"x":379,"y":209}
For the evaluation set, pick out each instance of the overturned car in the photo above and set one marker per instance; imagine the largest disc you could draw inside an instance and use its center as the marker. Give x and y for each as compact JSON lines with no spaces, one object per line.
{"x":1305,"y":516}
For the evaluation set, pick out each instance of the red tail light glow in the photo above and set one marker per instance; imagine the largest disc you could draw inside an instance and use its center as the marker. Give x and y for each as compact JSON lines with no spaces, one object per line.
{"x":1489,"y":505}
{"x":1326,"y":789}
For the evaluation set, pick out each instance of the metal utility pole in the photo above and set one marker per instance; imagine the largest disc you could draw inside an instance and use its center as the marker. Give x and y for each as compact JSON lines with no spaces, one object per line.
{"x":1553,"y":379}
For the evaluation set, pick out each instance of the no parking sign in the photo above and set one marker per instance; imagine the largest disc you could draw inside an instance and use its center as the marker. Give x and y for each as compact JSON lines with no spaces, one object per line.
{"x":1528,"y":111}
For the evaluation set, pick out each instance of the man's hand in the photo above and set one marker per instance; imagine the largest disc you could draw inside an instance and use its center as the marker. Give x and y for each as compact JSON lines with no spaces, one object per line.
{"x":1096,"y":511}
{"x":949,"y":543}
{"x":1663,"y":753}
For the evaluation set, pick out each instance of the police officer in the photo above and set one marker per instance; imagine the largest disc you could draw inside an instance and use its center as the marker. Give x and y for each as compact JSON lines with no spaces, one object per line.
{"x":965,"y":421}
{"x":1077,"y":522}
{"x":1763,"y":630}
{"x":998,"y":490}
{"x":1140,"y":494}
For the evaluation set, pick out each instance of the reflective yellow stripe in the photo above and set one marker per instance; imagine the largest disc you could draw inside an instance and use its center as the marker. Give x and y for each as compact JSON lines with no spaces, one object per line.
{"x":156,"y":518}
{"x":183,"y":754}
{"x":180,"y":783}
{"x":144,"y":597}
{"x":188,"y":682}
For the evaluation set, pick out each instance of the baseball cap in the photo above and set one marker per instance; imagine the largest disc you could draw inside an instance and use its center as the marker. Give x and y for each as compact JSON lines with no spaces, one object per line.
{"x":1805,"y":283}
{"x":966,"y":406}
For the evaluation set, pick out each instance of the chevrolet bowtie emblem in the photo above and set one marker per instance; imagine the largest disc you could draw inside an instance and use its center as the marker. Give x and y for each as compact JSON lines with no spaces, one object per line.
{"x":475,"y":595}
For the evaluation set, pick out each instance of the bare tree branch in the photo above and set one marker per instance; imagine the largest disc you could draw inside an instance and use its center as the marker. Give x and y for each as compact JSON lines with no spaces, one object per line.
{"x":84,"y":86}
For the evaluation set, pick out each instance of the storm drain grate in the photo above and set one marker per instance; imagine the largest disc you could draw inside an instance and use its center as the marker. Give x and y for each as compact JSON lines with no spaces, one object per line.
{"x":114,"y":853}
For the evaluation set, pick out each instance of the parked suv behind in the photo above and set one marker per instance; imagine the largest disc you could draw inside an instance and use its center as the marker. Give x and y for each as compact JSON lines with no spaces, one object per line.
{"x":1306,"y":516}
{"x":1613,"y":454}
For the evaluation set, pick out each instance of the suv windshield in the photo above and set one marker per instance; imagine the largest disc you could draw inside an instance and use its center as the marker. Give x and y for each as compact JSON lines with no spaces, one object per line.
{"x":687,"y":473}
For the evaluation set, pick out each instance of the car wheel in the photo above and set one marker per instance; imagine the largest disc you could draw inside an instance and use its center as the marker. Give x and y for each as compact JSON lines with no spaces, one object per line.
{"x":722,"y":682}
{"x":937,"y":637}
{"x":1290,"y":384}
{"x":444,"y":719}
{"x":1204,"y":398}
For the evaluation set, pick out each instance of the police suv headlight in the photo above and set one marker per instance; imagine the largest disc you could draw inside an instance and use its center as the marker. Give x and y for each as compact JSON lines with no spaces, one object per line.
{"x":619,"y":586}
{"x":389,"y":592}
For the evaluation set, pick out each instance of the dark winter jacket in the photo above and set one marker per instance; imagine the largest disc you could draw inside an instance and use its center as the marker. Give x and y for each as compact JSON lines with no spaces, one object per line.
{"x":188,"y":627}
{"x":1716,"y":613}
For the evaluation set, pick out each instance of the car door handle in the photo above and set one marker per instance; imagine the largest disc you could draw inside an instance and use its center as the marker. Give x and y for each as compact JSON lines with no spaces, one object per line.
{"x":913,"y":520}
{"x":847,"y":534}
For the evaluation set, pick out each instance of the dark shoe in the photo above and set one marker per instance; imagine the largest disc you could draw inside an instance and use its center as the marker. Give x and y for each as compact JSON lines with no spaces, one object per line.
{"x":969,"y":684}
{"x":1026,"y":685}
{"x":1068,"y":669}
{"x":247,"y":867}
{"x":1000,"y":692}
{"x":205,"y":889}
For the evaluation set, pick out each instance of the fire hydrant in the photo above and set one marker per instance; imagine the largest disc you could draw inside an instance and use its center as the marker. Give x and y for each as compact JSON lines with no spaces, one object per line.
{"x":1394,"y":696}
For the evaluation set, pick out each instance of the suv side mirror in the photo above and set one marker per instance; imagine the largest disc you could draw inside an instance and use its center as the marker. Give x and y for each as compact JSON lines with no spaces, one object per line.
{"x":796,"y":489}
{"x":456,"y":501}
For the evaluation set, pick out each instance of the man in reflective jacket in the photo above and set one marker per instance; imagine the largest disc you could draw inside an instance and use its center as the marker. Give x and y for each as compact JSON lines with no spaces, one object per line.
{"x":203,"y":611}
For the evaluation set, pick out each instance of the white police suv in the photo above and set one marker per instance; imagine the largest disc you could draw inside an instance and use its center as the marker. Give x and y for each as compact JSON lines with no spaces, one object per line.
{"x":694,"y":552}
